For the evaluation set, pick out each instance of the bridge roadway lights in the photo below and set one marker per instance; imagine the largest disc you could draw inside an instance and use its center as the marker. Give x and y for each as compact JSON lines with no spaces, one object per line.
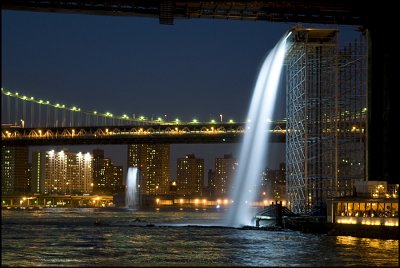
{"x":166,"y":139}
{"x":182,"y":133}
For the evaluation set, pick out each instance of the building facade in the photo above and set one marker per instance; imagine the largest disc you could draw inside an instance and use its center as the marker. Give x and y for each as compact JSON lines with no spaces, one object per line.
{"x":190,"y":176}
{"x":211,"y":184}
{"x":225,"y":169}
{"x":107,"y":177}
{"x":273,"y":184}
{"x":62,"y":172}
{"x":15,"y":170}
{"x":38,"y":171}
{"x":99,"y":171}
{"x":153,"y":163}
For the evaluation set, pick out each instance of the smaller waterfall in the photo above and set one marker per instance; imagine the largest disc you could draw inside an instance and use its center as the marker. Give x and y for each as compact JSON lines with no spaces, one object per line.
{"x":131,"y":191}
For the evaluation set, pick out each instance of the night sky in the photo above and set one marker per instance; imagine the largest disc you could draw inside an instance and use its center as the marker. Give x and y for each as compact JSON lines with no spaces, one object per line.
{"x":196,"y":68}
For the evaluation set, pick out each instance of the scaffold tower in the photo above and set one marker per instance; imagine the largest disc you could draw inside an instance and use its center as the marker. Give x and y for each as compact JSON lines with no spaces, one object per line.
{"x":351,"y":116}
{"x":324,"y":140}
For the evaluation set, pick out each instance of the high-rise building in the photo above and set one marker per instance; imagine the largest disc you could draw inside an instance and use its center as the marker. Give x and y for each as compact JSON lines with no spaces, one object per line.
{"x":15,"y":170}
{"x":273,"y":184}
{"x":190,"y":176}
{"x":225,"y":169}
{"x":116,"y":183}
{"x":38,"y":171}
{"x":29,"y":174}
{"x":107,"y":178}
{"x":99,"y":178}
{"x":211,"y":184}
{"x":62,"y":172}
{"x":153,"y":163}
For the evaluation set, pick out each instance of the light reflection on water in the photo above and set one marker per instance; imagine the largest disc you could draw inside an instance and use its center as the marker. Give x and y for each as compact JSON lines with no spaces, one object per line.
{"x":68,"y":237}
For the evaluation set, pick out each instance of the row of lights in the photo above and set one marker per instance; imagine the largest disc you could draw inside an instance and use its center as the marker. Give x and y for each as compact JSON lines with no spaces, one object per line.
{"x":198,"y":201}
{"x":382,"y":221}
{"x":225,"y":201}
{"x":107,"y":114}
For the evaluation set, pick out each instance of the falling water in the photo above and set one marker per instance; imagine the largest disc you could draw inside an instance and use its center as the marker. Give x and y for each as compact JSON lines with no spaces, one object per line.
{"x":131,"y":194}
{"x":254,"y":145}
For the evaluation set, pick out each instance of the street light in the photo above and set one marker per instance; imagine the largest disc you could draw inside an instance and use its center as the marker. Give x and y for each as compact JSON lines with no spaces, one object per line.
{"x":221,"y":117}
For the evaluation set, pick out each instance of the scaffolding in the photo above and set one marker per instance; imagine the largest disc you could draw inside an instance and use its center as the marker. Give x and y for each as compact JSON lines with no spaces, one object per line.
{"x":351,"y":116}
{"x":324,"y":119}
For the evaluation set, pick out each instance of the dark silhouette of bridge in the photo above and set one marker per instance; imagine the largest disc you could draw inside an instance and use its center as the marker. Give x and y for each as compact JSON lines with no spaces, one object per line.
{"x":337,"y":12}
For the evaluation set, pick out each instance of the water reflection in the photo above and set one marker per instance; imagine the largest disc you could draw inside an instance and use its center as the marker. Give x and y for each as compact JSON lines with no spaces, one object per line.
{"x":373,"y":243}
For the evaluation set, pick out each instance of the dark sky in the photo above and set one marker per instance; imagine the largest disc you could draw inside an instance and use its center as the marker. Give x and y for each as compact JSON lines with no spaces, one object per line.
{"x":196,"y":68}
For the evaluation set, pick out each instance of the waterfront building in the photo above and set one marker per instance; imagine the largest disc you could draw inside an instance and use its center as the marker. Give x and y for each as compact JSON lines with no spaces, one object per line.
{"x":211,"y":184}
{"x":15,"y":170}
{"x":99,"y":171}
{"x":225,"y":169}
{"x":190,"y":176}
{"x":107,"y":177}
{"x":115,"y":183}
{"x":62,"y":172}
{"x":273,"y":185}
{"x":153,"y":163}
{"x":373,"y":204}
{"x":38,"y":171}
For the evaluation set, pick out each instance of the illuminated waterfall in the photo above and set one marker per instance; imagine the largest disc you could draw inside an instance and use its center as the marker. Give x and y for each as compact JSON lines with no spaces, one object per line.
{"x":131,"y":191}
{"x":255,"y":141}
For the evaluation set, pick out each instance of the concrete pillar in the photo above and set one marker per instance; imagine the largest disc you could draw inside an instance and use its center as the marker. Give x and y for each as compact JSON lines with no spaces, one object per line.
{"x":381,"y":122}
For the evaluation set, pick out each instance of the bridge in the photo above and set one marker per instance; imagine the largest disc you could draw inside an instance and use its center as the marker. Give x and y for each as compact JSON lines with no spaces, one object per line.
{"x":182,"y":133}
{"x":310,"y":11}
{"x":23,"y":124}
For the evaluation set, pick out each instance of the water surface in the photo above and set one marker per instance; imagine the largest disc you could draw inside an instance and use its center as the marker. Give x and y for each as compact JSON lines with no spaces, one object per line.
{"x":69,"y":237}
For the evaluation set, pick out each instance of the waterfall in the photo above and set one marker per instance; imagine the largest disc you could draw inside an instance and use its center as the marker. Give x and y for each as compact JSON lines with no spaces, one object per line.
{"x":131,"y":191}
{"x":255,"y":141}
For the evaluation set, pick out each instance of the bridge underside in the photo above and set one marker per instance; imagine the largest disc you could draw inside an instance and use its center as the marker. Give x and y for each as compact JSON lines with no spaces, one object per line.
{"x":332,"y":12}
{"x":156,"y":139}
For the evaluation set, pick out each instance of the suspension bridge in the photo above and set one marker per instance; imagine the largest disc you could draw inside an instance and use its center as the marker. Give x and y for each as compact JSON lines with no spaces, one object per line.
{"x":27,"y":120}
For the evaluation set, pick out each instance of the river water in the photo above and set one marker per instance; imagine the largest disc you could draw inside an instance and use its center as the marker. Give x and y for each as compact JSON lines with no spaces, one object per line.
{"x":71,"y":237}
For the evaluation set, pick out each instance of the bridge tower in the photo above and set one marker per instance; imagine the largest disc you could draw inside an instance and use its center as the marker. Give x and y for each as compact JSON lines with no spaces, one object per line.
{"x":325,"y":125}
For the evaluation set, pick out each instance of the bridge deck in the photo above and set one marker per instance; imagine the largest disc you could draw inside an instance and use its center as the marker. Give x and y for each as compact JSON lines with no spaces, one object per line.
{"x":163,"y":133}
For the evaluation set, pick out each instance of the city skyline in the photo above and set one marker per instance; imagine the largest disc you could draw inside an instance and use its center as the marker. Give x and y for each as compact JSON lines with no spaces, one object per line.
{"x":92,"y":173}
{"x":205,"y":151}
{"x":109,"y":155}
